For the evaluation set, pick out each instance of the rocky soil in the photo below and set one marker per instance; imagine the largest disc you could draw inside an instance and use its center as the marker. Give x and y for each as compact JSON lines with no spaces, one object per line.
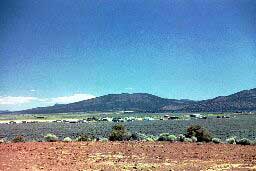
{"x":125,"y":156}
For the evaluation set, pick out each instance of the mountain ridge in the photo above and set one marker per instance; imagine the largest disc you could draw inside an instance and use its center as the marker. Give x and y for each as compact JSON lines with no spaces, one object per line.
{"x":244,"y":100}
{"x":144,"y":102}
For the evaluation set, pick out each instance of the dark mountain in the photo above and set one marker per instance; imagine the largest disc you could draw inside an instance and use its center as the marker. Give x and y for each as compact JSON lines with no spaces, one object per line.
{"x":238,"y":102}
{"x":141,"y":102}
{"x":4,"y":111}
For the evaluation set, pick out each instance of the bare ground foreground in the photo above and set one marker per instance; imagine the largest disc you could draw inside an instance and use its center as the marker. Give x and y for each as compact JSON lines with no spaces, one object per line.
{"x":126,"y":156}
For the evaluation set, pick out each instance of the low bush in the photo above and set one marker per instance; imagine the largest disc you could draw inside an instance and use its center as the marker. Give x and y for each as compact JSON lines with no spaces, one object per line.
{"x":231,"y":140}
{"x":151,"y":138}
{"x":188,"y":140}
{"x":181,"y":137}
{"x":67,"y":139}
{"x":50,"y":138}
{"x":138,"y":136}
{"x":167,"y":137}
{"x":244,"y":141}
{"x":172,"y":138}
{"x":216,"y":140}
{"x":103,"y":139}
{"x":2,"y":140}
{"x":253,"y":142}
{"x":119,"y":133}
{"x":163,"y":137}
{"x":202,"y":134}
{"x":18,"y":138}
{"x":194,"y":139}
{"x":85,"y":137}
{"x":143,"y":137}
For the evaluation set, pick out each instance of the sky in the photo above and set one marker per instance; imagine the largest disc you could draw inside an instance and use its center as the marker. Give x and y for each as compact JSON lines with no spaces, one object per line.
{"x":62,"y":51}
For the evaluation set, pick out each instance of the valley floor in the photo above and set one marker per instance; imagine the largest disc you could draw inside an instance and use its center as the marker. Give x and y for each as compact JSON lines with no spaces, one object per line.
{"x":125,"y":156}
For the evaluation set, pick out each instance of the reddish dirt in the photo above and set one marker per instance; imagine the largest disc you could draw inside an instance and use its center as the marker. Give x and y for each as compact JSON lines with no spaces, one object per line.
{"x":126,"y":156}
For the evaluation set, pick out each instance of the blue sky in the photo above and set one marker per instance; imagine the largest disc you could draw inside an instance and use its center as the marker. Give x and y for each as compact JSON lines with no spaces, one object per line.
{"x":57,"y":50}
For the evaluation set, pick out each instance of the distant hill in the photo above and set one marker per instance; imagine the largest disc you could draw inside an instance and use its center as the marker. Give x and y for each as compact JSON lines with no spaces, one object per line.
{"x":238,"y":102}
{"x":143,"y":102}
{"x":4,"y":111}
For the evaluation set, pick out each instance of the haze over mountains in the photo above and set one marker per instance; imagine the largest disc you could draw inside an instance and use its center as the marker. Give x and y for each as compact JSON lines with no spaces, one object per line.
{"x":143,"y":102}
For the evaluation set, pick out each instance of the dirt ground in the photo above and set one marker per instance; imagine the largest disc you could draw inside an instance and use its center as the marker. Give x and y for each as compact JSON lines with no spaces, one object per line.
{"x":125,"y":156}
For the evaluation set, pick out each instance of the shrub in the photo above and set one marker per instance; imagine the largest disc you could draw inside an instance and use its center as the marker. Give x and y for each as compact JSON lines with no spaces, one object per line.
{"x":143,"y":137}
{"x":50,"y":138}
{"x":103,"y":139}
{"x":167,"y":137}
{"x":253,"y":142}
{"x":231,"y":140}
{"x":181,"y":137}
{"x":85,"y":137}
{"x":67,"y":139}
{"x":2,"y":141}
{"x":163,"y":137}
{"x":119,"y":133}
{"x":188,"y":140}
{"x":137,"y":136}
{"x":200,"y":133}
{"x":172,"y":138}
{"x":151,"y":138}
{"x":18,"y":138}
{"x":194,"y":139}
{"x":216,"y":140}
{"x":244,"y":141}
